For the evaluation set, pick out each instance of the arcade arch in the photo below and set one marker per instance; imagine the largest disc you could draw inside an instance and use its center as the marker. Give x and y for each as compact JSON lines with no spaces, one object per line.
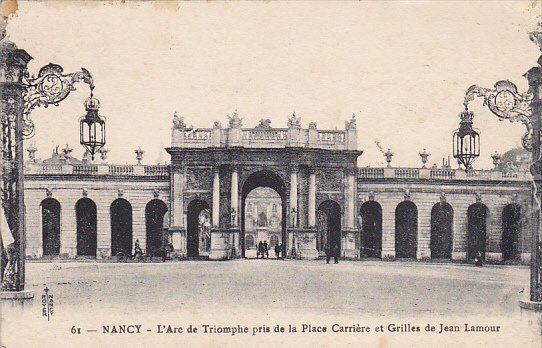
{"x":198,"y":228}
{"x":121,"y":226}
{"x":476,"y":230}
{"x":87,"y":239}
{"x":50,"y":226}
{"x":371,"y":229}
{"x":406,"y":230}
{"x":329,"y":224}
{"x":442,"y":219}
{"x":262,"y":179}
{"x":511,"y":228}
{"x":154,"y":222}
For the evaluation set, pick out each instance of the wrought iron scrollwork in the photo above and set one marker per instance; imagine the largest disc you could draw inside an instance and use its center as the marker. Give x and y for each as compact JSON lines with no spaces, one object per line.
{"x":51,"y":86}
{"x":506,"y":103}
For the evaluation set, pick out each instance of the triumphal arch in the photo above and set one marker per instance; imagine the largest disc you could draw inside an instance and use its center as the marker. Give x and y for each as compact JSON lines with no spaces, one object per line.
{"x":313,"y":171}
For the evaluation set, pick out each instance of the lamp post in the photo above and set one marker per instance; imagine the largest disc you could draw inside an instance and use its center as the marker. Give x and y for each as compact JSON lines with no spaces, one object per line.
{"x":294,"y":227}
{"x":21,"y":94}
{"x":507,"y":103}
{"x":233,"y":215}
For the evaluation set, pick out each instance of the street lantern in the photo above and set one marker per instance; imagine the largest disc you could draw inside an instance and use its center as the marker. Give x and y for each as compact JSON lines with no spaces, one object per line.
{"x":92,"y":130}
{"x":466,"y":144}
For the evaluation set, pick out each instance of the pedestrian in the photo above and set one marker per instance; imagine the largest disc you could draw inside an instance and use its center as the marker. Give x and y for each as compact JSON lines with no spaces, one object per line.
{"x":260,"y":250}
{"x":169,"y":251}
{"x":137,"y":249}
{"x":328,"y":252}
{"x":277,"y":251}
{"x":478,"y":259}
{"x":138,"y":253}
{"x":265,"y":249}
{"x":336,"y":253}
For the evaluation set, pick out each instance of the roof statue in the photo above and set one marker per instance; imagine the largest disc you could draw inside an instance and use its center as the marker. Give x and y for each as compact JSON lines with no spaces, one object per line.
{"x":264,"y":124}
{"x":351,"y":125}
{"x":178,"y":122}
{"x":235,"y":120}
{"x":294,"y":121}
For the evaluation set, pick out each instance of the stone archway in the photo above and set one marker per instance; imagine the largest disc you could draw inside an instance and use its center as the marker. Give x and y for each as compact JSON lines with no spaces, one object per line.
{"x":263,"y":178}
{"x":198,"y":227}
{"x":442,"y":219}
{"x":249,"y":242}
{"x":121,"y":226}
{"x":476,"y":230}
{"x":331,"y":210}
{"x":406,"y":230}
{"x":154,"y":222}
{"x":511,"y":228}
{"x":371,"y":229}
{"x":50,"y":226}
{"x":87,"y":239}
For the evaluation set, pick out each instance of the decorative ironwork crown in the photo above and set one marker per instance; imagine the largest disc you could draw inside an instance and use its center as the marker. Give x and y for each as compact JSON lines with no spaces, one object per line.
{"x":466,"y":116}
{"x":92,"y":104}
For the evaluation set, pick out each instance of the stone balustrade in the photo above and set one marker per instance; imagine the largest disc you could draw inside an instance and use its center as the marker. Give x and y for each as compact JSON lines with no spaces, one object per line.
{"x":91,"y":169}
{"x":440,"y":174}
{"x":265,"y":138}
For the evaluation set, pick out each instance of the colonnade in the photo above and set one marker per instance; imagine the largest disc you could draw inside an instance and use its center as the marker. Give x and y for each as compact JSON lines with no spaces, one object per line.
{"x":225,"y":239}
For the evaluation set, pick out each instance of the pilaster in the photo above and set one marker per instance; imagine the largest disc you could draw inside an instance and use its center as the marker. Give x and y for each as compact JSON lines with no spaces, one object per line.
{"x":220,"y":245}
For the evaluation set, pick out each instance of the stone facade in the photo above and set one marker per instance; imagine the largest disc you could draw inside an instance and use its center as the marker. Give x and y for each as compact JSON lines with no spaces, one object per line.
{"x":321,"y":199}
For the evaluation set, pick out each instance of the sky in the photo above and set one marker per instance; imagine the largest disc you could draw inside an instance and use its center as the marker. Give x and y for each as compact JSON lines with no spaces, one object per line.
{"x":401,"y":66}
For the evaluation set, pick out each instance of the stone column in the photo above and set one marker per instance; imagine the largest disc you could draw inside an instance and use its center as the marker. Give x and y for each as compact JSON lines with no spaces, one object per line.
{"x":351,"y":201}
{"x":235,"y":196}
{"x":292,"y":215}
{"x":349,"y":231}
{"x":177,"y":221}
{"x":220,"y":243}
{"x":235,"y":211}
{"x":177,"y":195}
{"x":293,"y":198}
{"x":312,"y":199}
{"x":216,"y":198}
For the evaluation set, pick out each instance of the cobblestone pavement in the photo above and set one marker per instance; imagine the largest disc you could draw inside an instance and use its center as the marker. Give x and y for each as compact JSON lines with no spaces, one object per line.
{"x":269,"y":292}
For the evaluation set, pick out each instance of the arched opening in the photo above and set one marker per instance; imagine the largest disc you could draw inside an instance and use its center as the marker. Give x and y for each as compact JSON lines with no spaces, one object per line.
{"x":260,"y":192}
{"x":511,"y":227}
{"x":321,"y":232}
{"x":198,"y":236}
{"x":406,"y":230}
{"x":371,"y":229}
{"x":476,"y":230}
{"x":121,"y":226}
{"x":329,"y":221}
{"x":249,"y":242}
{"x":274,"y":240}
{"x":50,"y":226}
{"x":154,"y":222}
{"x":442,"y":220}
{"x":85,"y":211}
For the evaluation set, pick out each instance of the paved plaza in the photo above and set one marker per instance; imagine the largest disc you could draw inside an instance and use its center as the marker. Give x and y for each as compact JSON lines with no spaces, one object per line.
{"x":270,"y":292}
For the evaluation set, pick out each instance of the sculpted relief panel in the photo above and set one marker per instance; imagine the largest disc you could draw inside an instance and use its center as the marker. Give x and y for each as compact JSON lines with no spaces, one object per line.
{"x":199,"y":179}
{"x":329,"y":180}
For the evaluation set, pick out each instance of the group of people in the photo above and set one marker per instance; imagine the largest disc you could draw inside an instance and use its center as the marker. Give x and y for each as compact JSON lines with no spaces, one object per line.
{"x":263,"y":250}
{"x":166,"y":252}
